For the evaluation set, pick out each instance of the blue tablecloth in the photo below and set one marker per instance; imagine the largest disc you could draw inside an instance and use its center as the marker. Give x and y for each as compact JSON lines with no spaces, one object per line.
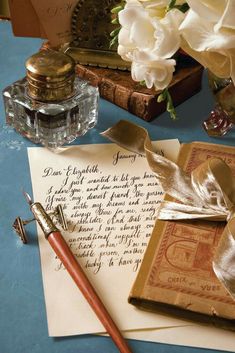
{"x":23,"y":327}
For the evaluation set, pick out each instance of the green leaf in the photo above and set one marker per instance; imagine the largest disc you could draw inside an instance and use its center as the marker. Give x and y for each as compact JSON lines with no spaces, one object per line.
{"x":115,"y":32}
{"x":113,"y":42}
{"x":115,"y":21}
{"x":162,"y":96}
{"x":172,"y":5}
{"x":172,"y":114}
{"x":183,"y":8}
{"x":170,"y":107}
{"x":117,"y":9}
{"x":165,"y":95}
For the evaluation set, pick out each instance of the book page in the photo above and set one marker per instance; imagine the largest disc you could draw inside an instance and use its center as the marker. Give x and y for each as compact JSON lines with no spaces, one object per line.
{"x":110,"y":198}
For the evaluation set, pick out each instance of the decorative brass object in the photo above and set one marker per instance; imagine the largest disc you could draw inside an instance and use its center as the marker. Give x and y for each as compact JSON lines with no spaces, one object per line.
{"x":19,"y":224}
{"x":91,"y":28}
{"x":50,"y":76}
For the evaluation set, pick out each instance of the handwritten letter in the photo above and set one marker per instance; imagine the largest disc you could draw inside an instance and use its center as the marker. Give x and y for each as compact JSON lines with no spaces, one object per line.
{"x":110,"y":199}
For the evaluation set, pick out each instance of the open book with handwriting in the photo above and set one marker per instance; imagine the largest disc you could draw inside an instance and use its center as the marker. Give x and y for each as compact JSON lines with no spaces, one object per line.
{"x":176,"y":275}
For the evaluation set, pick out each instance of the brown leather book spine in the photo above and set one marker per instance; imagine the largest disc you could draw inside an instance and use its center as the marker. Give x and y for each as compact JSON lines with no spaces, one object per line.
{"x":118,"y":87}
{"x":109,"y":88}
{"x":145,"y":106}
{"x":86,"y":74}
{"x":123,"y":97}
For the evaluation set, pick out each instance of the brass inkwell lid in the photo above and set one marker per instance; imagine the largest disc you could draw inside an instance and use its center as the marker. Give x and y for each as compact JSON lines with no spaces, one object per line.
{"x":50,"y":76}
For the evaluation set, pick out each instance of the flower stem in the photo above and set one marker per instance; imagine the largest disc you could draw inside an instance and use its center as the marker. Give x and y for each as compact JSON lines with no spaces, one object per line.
{"x":166,"y":96}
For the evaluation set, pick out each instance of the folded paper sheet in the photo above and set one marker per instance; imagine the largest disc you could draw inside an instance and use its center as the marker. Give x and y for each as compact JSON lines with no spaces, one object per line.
{"x":110,"y":198}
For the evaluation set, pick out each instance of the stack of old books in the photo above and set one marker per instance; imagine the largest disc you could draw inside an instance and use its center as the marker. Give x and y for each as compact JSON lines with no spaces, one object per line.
{"x":118,"y":87}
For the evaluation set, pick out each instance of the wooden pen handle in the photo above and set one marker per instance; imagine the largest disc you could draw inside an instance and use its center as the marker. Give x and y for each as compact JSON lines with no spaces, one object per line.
{"x":69,"y":261}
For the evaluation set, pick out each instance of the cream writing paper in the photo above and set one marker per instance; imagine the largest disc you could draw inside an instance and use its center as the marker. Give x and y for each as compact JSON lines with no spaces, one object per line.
{"x":110,"y":198}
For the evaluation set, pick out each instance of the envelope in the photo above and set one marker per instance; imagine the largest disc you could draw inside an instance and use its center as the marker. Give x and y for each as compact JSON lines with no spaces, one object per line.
{"x":50,"y":19}
{"x":24,"y":19}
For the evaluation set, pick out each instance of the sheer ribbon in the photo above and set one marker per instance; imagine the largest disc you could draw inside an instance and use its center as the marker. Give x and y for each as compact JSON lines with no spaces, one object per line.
{"x":208,"y":193}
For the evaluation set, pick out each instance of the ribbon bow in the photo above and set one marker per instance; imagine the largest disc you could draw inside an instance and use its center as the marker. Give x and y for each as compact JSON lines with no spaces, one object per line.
{"x":208,"y":193}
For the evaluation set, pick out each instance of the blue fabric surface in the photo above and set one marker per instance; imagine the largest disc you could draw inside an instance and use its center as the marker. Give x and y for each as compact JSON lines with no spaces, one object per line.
{"x":23,"y":326}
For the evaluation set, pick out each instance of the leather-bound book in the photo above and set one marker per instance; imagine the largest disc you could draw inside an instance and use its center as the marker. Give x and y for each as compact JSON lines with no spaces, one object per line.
{"x":176,"y":275}
{"x":118,"y":87}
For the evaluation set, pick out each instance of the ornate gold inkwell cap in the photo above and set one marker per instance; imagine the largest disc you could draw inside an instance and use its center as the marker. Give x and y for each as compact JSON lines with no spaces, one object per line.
{"x":50,"y":76}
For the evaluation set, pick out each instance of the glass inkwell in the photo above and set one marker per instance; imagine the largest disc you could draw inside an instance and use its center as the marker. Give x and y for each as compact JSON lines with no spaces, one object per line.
{"x":51,"y":105}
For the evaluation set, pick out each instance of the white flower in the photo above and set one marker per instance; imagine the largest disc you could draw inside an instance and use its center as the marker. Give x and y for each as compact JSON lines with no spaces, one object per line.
{"x":155,"y":73}
{"x":209,"y":35}
{"x":148,"y":39}
{"x":142,"y":32}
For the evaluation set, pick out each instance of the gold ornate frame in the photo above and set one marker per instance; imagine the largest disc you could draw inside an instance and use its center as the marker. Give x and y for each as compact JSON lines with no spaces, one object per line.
{"x":91,"y":28}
